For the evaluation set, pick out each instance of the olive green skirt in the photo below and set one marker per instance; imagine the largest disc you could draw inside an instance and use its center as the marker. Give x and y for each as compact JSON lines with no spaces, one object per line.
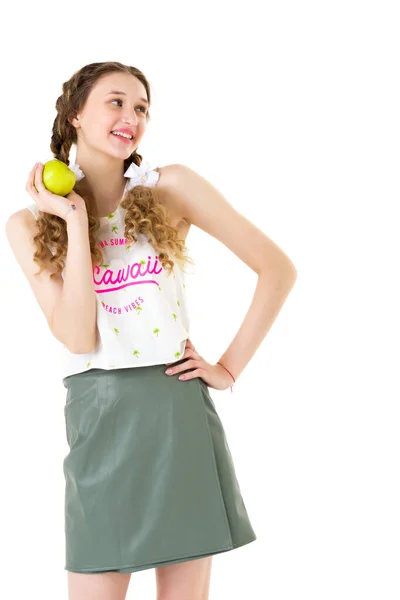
{"x":149,"y":476}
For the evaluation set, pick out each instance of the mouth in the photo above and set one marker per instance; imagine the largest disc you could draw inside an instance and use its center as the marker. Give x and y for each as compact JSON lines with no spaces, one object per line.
{"x":128,"y":139}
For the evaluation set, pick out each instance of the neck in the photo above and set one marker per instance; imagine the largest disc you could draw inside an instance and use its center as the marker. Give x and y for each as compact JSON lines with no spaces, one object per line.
{"x":105,"y":183}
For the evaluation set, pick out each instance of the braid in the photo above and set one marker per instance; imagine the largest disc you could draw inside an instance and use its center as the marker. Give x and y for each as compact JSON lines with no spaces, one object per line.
{"x":61,"y":142}
{"x":63,"y":132}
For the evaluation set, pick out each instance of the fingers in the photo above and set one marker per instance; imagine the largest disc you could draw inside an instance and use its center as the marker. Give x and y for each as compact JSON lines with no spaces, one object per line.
{"x":190,"y":352}
{"x":35,"y":181}
{"x":38,"y":178}
{"x":31,"y":177}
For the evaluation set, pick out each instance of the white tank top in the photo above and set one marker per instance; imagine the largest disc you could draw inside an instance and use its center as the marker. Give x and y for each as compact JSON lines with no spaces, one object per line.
{"x":142,"y":316}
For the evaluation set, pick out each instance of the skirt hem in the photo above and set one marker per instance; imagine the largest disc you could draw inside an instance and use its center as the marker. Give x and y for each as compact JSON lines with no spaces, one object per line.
{"x":158,"y":562}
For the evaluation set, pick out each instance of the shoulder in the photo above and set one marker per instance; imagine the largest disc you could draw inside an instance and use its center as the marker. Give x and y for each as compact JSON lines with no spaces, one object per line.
{"x":21,"y":229}
{"x":24,"y":218}
{"x":194,"y":198}
{"x":168,"y":183}
{"x":189,"y":192}
{"x":169,"y":174}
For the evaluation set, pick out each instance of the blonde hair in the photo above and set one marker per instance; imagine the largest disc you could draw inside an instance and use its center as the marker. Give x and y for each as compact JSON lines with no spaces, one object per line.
{"x":145,"y":213}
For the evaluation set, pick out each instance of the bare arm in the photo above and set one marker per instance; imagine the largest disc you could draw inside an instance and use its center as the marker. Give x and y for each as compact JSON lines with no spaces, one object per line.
{"x":69,"y":305}
{"x":74,"y":314}
{"x":202,"y":204}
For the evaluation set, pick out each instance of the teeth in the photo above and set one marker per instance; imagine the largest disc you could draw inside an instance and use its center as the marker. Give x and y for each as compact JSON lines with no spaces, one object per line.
{"x":125,"y":135}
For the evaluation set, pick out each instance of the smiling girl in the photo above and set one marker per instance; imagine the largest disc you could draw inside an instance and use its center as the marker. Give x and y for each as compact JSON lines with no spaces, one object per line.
{"x":150,"y":480}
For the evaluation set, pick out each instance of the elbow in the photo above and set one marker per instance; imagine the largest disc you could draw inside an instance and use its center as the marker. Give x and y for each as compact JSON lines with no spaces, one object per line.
{"x":288,"y":271}
{"x":81,"y":347}
{"x":73,"y":345}
{"x":76,"y":340}
{"x":284,"y":271}
{"x":277,"y":264}
{"x":290,"y":276}
{"x":282,"y":277}
{"x":293,"y":274}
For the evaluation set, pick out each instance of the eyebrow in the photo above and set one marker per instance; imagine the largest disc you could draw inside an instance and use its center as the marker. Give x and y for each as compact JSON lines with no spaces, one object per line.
{"x":123,"y":94}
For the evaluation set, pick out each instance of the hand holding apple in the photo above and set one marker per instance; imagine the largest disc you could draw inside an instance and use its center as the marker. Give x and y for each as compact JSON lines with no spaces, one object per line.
{"x":52,"y":203}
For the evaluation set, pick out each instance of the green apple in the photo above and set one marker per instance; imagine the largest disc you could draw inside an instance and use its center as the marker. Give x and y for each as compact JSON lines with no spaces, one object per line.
{"x":58,"y":177}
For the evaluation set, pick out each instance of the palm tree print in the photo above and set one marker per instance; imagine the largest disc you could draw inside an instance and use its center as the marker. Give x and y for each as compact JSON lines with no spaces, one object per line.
{"x":138,"y":308}
{"x":174,"y":316}
{"x":88,"y":365}
{"x":110,"y":216}
{"x":177,"y":354}
{"x":105,"y":266}
{"x":178,"y":303}
{"x":114,"y":228}
{"x":156,"y":331}
{"x":136,"y":353}
{"x":116,"y":330}
{"x":159,"y":288}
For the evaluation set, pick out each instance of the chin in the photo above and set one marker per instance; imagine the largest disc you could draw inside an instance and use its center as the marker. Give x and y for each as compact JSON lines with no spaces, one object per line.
{"x":126,"y":150}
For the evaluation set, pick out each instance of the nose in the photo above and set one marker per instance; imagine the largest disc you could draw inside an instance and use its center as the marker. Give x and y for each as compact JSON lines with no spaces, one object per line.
{"x":131,"y":117}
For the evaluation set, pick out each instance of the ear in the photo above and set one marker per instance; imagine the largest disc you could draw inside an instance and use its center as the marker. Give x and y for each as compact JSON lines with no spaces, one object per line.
{"x":74,"y":122}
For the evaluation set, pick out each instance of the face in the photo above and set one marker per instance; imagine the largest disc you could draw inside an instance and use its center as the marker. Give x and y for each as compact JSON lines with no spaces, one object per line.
{"x":105,"y":112}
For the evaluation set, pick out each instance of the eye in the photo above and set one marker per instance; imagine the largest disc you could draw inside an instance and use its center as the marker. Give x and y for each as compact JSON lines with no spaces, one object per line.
{"x":144,"y":109}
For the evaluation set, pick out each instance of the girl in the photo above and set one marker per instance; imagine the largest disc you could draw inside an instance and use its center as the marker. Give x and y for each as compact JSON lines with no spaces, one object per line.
{"x":150,"y":481}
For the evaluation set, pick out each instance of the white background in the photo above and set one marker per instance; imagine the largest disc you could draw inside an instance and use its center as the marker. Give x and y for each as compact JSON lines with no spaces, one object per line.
{"x":291,"y":109}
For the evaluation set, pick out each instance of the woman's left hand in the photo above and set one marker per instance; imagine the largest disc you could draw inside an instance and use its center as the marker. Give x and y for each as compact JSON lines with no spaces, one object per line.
{"x":214,"y":376}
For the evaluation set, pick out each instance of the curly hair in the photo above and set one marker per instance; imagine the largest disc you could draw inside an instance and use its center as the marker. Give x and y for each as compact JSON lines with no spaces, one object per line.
{"x":145,"y":212}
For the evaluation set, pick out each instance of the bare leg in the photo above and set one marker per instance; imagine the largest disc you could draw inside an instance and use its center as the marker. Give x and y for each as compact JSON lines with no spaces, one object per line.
{"x":188,"y":580}
{"x":98,"y":586}
{"x":207,"y":580}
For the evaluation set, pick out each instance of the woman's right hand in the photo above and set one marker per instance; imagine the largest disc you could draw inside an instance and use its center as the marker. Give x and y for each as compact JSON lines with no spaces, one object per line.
{"x":49,"y":202}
